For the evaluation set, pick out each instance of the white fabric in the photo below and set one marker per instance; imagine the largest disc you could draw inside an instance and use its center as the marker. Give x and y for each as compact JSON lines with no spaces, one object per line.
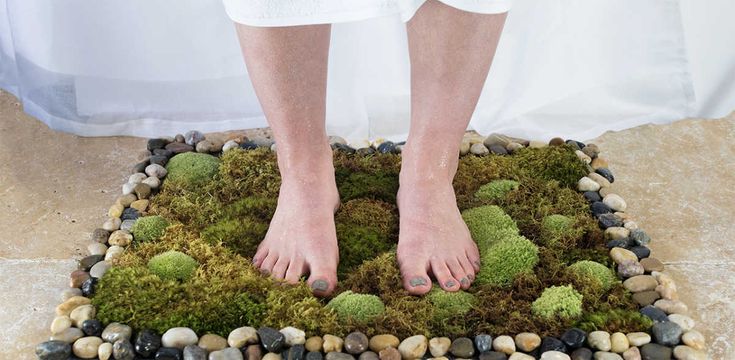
{"x":573,"y":68}
{"x":309,"y":12}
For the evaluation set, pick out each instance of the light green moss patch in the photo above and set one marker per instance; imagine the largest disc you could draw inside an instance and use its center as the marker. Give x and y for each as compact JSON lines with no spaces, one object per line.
{"x":357,"y":307}
{"x":489,"y":225}
{"x":173,"y":265}
{"x":192,"y":169}
{"x":558,"y":301}
{"x":594,"y":272}
{"x":496,"y":189}
{"x":149,"y":228}
{"x":505,"y":260}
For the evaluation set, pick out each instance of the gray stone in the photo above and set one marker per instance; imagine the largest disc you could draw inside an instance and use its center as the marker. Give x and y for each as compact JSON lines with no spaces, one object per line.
{"x":337,"y":356}
{"x":194,"y":352}
{"x":356,"y":343}
{"x":116,"y":331}
{"x":53,"y":350}
{"x":123,"y":350}
{"x":666,"y":333}
{"x":655,"y":352}
{"x":193,"y":137}
{"x":462,"y":348}
{"x":229,"y":353}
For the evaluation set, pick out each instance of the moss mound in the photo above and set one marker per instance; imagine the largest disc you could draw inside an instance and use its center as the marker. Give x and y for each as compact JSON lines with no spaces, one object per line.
{"x":594,"y":272}
{"x":496,"y":190}
{"x":149,"y":228}
{"x":489,"y":225}
{"x":192,"y":169}
{"x":450,"y":304}
{"x":361,"y":308}
{"x":173,"y":265}
{"x":502,"y":262}
{"x":561,"y":301}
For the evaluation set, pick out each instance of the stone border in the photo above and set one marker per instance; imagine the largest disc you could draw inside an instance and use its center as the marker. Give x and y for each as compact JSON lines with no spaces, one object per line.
{"x":77,"y":334}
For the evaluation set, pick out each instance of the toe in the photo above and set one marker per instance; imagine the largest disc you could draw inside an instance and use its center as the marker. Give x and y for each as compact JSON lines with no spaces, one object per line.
{"x":279,"y":270}
{"x":443,"y":275}
{"x":295,"y":270}
{"x":259,"y":256}
{"x":474,"y":260}
{"x":459,"y":273}
{"x":415,"y":278}
{"x":468,"y":268}
{"x":266,"y":267}
{"x":322,"y":279}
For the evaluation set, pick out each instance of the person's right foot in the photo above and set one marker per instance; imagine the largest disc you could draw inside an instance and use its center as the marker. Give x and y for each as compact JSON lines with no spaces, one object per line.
{"x":301,"y":238}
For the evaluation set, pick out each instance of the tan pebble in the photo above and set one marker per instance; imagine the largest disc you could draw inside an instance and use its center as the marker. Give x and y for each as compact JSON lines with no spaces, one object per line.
{"x":619,"y":343}
{"x":599,"y":162}
{"x":479,"y":149}
{"x":142,"y":191}
{"x":605,"y":191}
{"x":683,"y":352}
{"x":82,"y":313}
{"x":105,"y":351}
{"x":606,"y":355}
{"x":527,"y":342}
{"x":112,"y":224}
{"x":120,"y":238}
{"x":694,"y":339}
{"x":630,"y":225}
{"x":67,"y":306}
{"x":620,"y":255}
{"x":464,"y":148}
{"x":615,"y":202}
{"x":663,"y":278}
{"x":332,"y":343}
{"x":115,"y":211}
{"x":582,"y":156}
{"x":212,"y":342}
{"x":87,"y":347}
{"x":537,"y":144}
{"x":96,"y":248}
{"x":113,"y":253}
{"x":389,"y":354}
{"x":126,"y":200}
{"x":587,"y":184}
{"x":272,"y":356}
{"x":439,"y":346}
{"x":513,"y":147}
{"x":520,"y":356}
{"x":617,"y":233}
{"x":68,"y":336}
{"x":60,"y":323}
{"x":380,"y":342}
{"x":638,"y":338}
{"x":152,"y":181}
{"x":69,"y":293}
{"x":632,"y":354}
{"x":504,"y":344}
{"x":640,"y":283}
{"x":140,"y":205}
{"x":671,"y":306}
{"x":668,"y":292}
{"x":599,"y":179}
{"x":414,"y":347}
{"x":652,"y":264}
{"x":314,"y":343}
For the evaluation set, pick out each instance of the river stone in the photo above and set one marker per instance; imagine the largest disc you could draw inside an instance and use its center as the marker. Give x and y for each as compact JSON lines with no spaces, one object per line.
{"x":178,"y":148}
{"x":615,"y":202}
{"x":120,"y":238}
{"x":53,"y":350}
{"x":582,"y":156}
{"x":60,"y":323}
{"x":520,"y":356}
{"x":550,"y":343}
{"x":152,"y":182}
{"x":226,"y":354}
{"x":574,"y":338}
{"x":652,"y":264}
{"x":694,"y":339}
{"x":332,"y":343}
{"x":641,"y":252}
{"x":479,"y":149}
{"x":632,"y":354}
{"x":483,"y":342}
{"x":127,"y":225}
{"x":380,"y":342}
{"x":67,"y":306}
{"x":609,"y":220}
{"x":369,"y":355}
{"x":87,"y":262}
{"x":242,"y":336}
{"x":147,"y":343}
{"x":554,"y":355}
{"x":684,"y":352}
{"x":92,"y":327}
{"x":142,"y":191}
{"x":599,"y":340}
{"x":645,"y":298}
{"x":587,"y":184}
{"x":640,"y":283}
{"x":86,"y":347}
{"x":619,"y":343}
{"x":88,"y":286}
{"x":69,"y":293}
{"x":685,"y":322}
{"x":413,"y":347}
{"x":179,"y":337}
{"x":335,"y":356}
{"x":115,"y":210}
{"x":193,"y":137}
{"x":620,"y":255}
{"x":666,"y":333}
{"x":389,"y":354}
{"x":271,"y":339}
{"x":462,"y":347}
{"x":639,"y":237}
{"x":123,"y":350}
{"x":113,"y":252}
{"x":68,"y":336}
{"x":112,"y":224}
{"x":527,"y":342}
{"x":618,"y":233}
{"x":504,"y":344}
{"x":297,"y":352}
{"x":638,"y":338}
{"x":99,"y":269}
{"x":654,"y":313}
{"x":96,"y":248}
{"x":671,"y":306}
{"x":492,"y":355}
{"x":439,"y":346}
{"x":159,"y":159}
{"x":77,"y":278}
{"x":82,"y":313}
{"x":155,"y":170}
{"x":606,"y":355}
{"x":229,"y":145}
{"x":116,"y":331}
{"x":212,"y":342}
{"x":356,"y":343}
{"x":581,"y":354}
{"x":293,"y":336}
{"x":314,"y":344}
{"x":630,"y":268}
{"x":316,"y":355}
{"x":655,"y":352}
{"x":170,"y":353}
{"x":104,"y":352}
{"x":253,"y":352}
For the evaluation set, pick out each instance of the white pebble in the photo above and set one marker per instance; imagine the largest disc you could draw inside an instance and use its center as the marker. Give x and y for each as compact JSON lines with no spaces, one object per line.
{"x":136,"y":178}
{"x":113,"y":253}
{"x":82,"y":313}
{"x":683,"y":352}
{"x":504,"y":344}
{"x":105,"y":351}
{"x":685,"y":322}
{"x":587,"y":184}
{"x":127,"y":188}
{"x":179,"y":337}
{"x":96,"y":248}
{"x":156,"y":170}
{"x":599,"y":340}
{"x":671,"y":306}
{"x":293,"y":336}
{"x":230,"y":144}
{"x":694,"y":339}
{"x":60,"y":323}
{"x":638,"y":338}
{"x":615,"y":202}
{"x":87,"y":347}
{"x":153,"y":182}
{"x":520,"y":356}
{"x":554,"y":355}
{"x":99,"y":269}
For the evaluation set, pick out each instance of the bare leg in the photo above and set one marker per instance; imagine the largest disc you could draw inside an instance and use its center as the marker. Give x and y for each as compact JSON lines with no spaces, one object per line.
{"x":288,"y":68}
{"x":451,"y":52}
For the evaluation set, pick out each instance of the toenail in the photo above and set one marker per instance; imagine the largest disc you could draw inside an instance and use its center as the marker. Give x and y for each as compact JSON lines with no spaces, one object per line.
{"x":417,"y":282}
{"x":320,"y":285}
{"x":471,"y":277}
{"x":450,"y":283}
{"x":464,"y":281}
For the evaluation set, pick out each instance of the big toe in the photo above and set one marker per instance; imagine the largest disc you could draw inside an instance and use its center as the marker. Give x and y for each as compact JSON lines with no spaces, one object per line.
{"x":322,"y":279}
{"x":415,"y":279}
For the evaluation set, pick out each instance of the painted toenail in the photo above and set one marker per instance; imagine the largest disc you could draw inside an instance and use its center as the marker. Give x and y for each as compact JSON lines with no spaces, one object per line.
{"x":417,"y":282}
{"x":464,"y":281}
{"x":449,"y":283}
{"x":320,"y":285}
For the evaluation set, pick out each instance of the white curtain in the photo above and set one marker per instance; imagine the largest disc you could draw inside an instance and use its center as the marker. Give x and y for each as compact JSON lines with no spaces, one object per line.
{"x":573,"y":68}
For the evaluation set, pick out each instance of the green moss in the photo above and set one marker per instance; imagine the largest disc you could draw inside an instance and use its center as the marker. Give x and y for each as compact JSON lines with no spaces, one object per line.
{"x":149,"y":228}
{"x":555,"y":228}
{"x":380,"y":186}
{"x":364,"y":212}
{"x":193,"y":169}
{"x":357,"y":244}
{"x":552,"y":163}
{"x":248,"y":173}
{"x":173,"y":265}
{"x":379,"y":276}
{"x":450,"y":304}
{"x":489,"y":225}
{"x":505,"y":260}
{"x":496,"y":189}
{"x":594,"y":272}
{"x":296,"y":306}
{"x":558,"y":301}
{"x":241,"y":235}
{"x":616,"y":320}
{"x":361,"y":308}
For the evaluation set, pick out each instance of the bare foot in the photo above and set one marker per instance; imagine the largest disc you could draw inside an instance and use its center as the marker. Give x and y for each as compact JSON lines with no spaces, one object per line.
{"x":433,"y":237}
{"x":301,"y":238}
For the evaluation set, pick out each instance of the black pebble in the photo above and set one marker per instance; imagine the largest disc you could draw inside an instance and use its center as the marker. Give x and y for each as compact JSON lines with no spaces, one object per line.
{"x":656,"y":314}
{"x":88,"y":286}
{"x":606,"y":173}
{"x":92,"y":327}
{"x":248,"y":145}
{"x":86,"y":263}
{"x":154,"y":144}
{"x":552,"y":344}
{"x":346,"y":148}
{"x":129,"y":214}
{"x":296,"y":352}
{"x":483,"y":342}
{"x":574,"y":338}
{"x":314,"y":355}
{"x":581,"y":354}
{"x":147,"y":343}
{"x":609,"y":220}
{"x":387,"y":147}
{"x":53,"y":350}
{"x":159,"y":159}
{"x":592,"y":196}
{"x":169,"y":353}
{"x":163,"y":152}
{"x":140,"y":167}
{"x":493,"y":355}
{"x":617,"y":243}
{"x":271,"y":339}
{"x":573,"y":144}
{"x":641,"y":252}
{"x":598,"y":208}
{"x":498,"y":149}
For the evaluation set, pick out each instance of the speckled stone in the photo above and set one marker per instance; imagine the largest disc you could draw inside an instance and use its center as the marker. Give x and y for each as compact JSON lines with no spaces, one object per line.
{"x":116,"y":331}
{"x":53,"y":350}
{"x":483,"y":342}
{"x":666,"y":333}
{"x":123,"y":350}
{"x":271,"y":339}
{"x":315,"y":355}
{"x":356,"y":343}
{"x":652,"y":264}
{"x":574,"y":338}
{"x":462,"y":347}
{"x":389,"y":354}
